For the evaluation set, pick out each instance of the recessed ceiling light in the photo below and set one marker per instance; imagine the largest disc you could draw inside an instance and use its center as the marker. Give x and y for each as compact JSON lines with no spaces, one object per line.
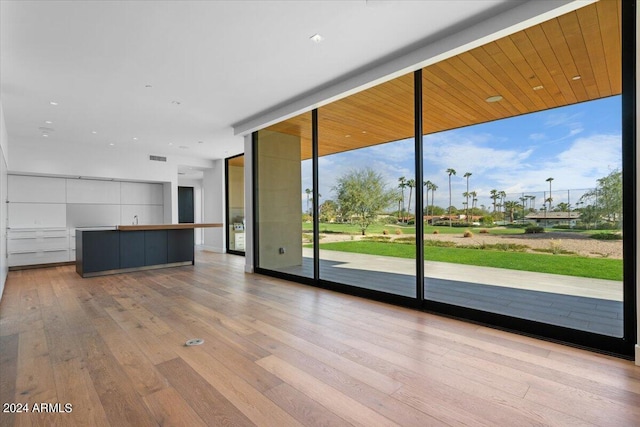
{"x":134,"y":138}
{"x":171,"y":143}
{"x":538,"y":87}
{"x":48,"y":122}
{"x":494,"y":98}
{"x":317,"y":38}
{"x":364,"y":131}
{"x":45,"y":135}
{"x":576,"y":77}
{"x":347,"y":136}
{"x":53,"y":103}
{"x":111,"y":144}
{"x":94,"y":132}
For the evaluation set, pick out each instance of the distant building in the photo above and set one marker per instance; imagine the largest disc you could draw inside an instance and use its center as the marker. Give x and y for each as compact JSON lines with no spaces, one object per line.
{"x":553,"y":218}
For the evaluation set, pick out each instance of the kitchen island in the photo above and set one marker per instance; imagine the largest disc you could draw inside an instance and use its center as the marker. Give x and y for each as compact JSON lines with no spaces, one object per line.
{"x":126,"y":248}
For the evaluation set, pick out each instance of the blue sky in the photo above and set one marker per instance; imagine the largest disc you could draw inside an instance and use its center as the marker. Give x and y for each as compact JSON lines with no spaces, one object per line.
{"x":575,"y":145}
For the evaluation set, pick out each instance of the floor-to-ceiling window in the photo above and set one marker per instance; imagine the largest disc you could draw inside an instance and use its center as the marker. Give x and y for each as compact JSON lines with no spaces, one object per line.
{"x":367,"y":179}
{"x":523,"y":153}
{"x":235,"y":205}
{"x":519,"y":199}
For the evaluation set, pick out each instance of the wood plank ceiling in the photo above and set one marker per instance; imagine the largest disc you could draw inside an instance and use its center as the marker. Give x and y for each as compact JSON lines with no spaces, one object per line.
{"x":569,"y":59}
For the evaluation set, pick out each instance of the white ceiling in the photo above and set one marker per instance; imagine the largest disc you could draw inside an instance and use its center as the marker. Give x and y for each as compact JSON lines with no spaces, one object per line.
{"x":223,"y":61}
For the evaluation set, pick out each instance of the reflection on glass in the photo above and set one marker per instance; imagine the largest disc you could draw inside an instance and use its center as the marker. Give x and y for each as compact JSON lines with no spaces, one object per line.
{"x":285,"y":192}
{"x":235,"y":197}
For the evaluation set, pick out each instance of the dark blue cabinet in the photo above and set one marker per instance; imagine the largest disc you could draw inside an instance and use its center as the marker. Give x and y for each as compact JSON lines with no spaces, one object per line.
{"x":106,"y":252}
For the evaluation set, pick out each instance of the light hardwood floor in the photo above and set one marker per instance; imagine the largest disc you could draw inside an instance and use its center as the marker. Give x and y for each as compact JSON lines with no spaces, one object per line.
{"x":279,"y":354}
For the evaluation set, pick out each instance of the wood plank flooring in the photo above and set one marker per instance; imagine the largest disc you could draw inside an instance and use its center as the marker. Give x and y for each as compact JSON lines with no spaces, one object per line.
{"x":277,"y":353}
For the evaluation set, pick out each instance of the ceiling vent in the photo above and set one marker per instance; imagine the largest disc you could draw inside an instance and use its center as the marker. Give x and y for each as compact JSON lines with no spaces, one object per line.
{"x":158,"y":158}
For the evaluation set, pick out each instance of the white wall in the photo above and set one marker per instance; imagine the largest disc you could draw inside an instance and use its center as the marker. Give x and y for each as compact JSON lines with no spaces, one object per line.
{"x":4,"y":142}
{"x":214,"y":206}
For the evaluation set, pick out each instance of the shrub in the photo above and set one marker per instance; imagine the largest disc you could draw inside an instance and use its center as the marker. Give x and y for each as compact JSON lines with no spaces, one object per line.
{"x":484,"y":231}
{"x":436,"y":232}
{"x":382,"y":239}
{"x":387,"y":220}
{"x":409,"y":240}
{"x":385,"y":232}
{"x":533,"y":229}
{"x":439,"y":243}
{"x":562,"y":227}
{"x":486,"y":220}
{"x":468,"y":233}
{"x":607,"y":236}
{"x":398,"y":231}
{"x":505,"y":247}
{"x":555,"y":246}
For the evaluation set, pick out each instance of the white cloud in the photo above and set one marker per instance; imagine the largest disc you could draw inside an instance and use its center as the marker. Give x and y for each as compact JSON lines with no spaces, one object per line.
{"x":466,"y":154}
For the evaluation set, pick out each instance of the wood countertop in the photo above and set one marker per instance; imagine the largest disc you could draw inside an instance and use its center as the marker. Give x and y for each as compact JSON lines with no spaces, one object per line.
{"x":166,"y":226}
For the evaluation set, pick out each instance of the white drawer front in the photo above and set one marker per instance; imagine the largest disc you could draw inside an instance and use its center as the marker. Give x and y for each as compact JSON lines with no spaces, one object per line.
{"x":35,"y":232}
{"x":38,"y":257}
{"x":37,"y":243}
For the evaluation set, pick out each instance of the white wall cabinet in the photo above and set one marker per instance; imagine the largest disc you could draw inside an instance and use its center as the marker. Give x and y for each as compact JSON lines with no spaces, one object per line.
{"x":37,"y":189}
{"x":93,"y":191}
{"x":44,"y":212}
{"x":37,"y":215}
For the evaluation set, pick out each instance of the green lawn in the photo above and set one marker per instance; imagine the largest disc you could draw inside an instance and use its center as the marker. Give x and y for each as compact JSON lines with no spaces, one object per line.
{"x":598,"y":268}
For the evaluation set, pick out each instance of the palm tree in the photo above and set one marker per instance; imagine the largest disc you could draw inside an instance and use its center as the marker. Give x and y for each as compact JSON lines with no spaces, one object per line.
{"x":402,"y":184}
{"x":494,"y":197}
{"x":523,"y":200}
{"x":308,"y":191}
{"x":427,"y":184}
{"x":411,"y":184}
{"x":450,"y":172}
{"x":474,"y":200}
{"x":467,"y":175}
{"x":550,"y":198}
{"x":434,"y":187}
{"x":503,"y":196}
{"x":511,"y":206}
{"x":466,"y":194}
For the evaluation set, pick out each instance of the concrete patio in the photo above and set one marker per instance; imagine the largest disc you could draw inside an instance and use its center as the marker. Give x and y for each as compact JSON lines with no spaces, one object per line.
{"x":593,"y":305}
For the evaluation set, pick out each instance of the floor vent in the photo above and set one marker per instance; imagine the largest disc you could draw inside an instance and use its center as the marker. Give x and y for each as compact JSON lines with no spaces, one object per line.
{"x":158,"y":158}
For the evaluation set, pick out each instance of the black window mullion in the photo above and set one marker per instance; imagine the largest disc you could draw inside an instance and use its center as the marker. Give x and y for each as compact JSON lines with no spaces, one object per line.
{"x":316,"y":198}
{"x":419,"y":217}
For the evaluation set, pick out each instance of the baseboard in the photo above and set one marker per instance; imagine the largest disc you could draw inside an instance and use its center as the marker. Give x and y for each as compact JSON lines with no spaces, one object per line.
{"x":638,"y":354}
{"x":248,"y":268}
